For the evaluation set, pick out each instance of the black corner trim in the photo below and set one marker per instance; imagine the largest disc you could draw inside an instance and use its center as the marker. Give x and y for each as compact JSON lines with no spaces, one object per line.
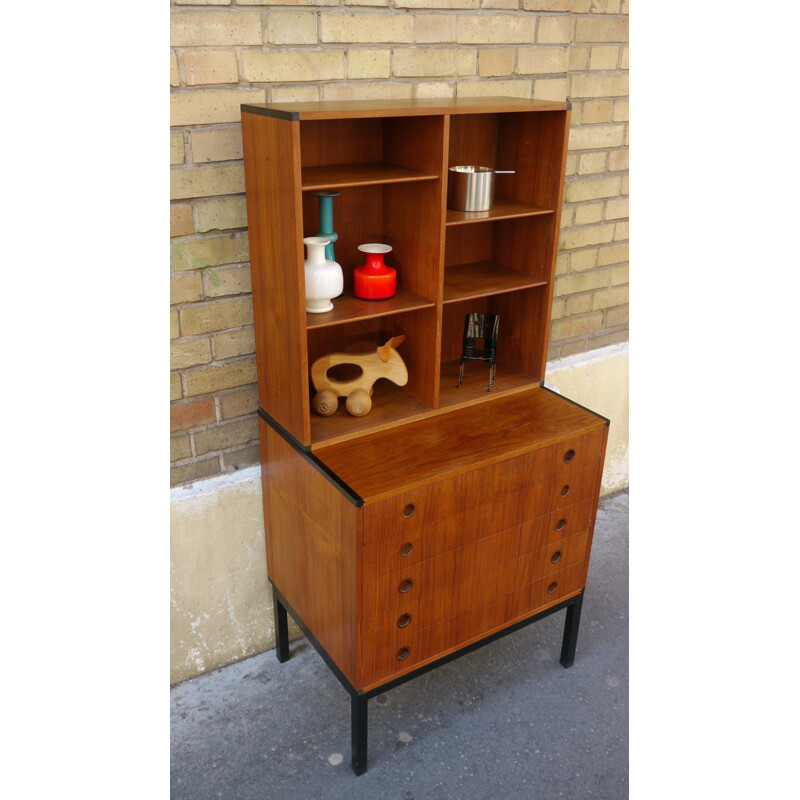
{"x":269,"y":112}
{"x":605,"y":419}
{"x":385,"y":687}
{"x":320,"y":466}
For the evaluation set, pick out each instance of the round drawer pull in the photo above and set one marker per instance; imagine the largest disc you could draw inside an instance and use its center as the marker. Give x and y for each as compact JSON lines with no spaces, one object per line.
{"x":565,"y":490}
{"x":552,"y":587}
{"x":403,"y":620}
{"x":402,"y":653}
{"x":561,"y":524}
{"x":409,"y":510}
{"x":406,"y":549}
{"x":405,"y":585}
{"x":569,"y":455}
{"x":556,"y":557}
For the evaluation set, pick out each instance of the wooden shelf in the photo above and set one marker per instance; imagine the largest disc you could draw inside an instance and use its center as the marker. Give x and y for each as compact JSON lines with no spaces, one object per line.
{"x":503,"y":208}
{"x":391,"y":406}
{"x":348,"y":308}
{"x":344,"y":175}
{"x":482,"y":278}
{"x":476,"y":381}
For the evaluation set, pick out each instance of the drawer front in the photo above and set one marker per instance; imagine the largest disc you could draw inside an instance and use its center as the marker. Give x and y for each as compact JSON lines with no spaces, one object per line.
{"x":558,"y":524}
{"x":552,"y":558}
{"x":576,"y":453}
{"x":547,"y":590}
{"x":558,"y":492}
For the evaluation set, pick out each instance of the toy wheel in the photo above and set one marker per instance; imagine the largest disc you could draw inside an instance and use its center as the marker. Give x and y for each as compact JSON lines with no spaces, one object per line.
{"x":359,"y":403}
{"x":325,"y":403}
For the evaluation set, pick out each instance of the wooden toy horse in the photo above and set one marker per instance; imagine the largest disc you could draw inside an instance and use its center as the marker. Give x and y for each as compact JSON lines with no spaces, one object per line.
{"x":385,"y":362}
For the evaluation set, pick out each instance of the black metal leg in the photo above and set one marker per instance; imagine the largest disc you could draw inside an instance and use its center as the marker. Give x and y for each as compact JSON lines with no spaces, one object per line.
{"x":358,"y":732}
{"x":281,"y":630}
{"x":571,"y":632}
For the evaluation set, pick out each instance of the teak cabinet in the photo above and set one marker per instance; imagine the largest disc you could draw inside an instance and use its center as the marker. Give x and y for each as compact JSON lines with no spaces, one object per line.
{"x":446,"y":516}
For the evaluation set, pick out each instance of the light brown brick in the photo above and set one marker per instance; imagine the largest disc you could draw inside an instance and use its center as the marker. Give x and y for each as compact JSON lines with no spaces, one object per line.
{"x":177,"y":149}
{"x":582,"y":282}
{"x":621,"y":111}
{"x":578,"y":304}
{"x":174,"y":325}
{"x":583,"y":260}
{"x":216,"y":316}
{"x":292,"y":27}
{"x":547,"y":5}
{"x":193,"y":414}
{"x":542,"y":60}
{"x":368,"y":91}
{"x":380,"y":3}
{"x":608,"y":298}
{"x":203,"y":28}
{"x":241,"y":457}
{"x":605,"y":7}
{"x":487,"y":88}
{"x":190,"y":353}
{"x":210,"y":251}
{"x":567,"y":216}
{"x":500,"y":4}
{"x":581,"y":6}
{"x":587,"y":213}
{"x":434,"y":28}
{"x":589,"y":163}
{"x":222,"y":214}
{"x":206,"y":181}
{"x":495,"y":28}
{"x":205,"y":380}
{"x":620,"y":274}
{"x":554,"y":30}
{"x":496,"y":61}
{"x":185,"y":288}
{"x":225,"y":435}
{"x":621,"y":231}
{"x":601,"y":29}
{"x":434,"y":89}
{"x":572,"y":164}
{"x":194,"y":471}
{"x":599,"y":85}
{"x":550,"y":89}
{"x":562,"y":263}
{"x":227,"y":281}
{"x":592,"y":189}
{"x":174,"y":75}
{"x":363,"y":62}
{"x":295,"y":94}
{"x":595,"y":111}
{"x":216,"y":144}
{"x":572,"y":348}
{"x":578,"y":58}
{"x":624,"y":184}
{"x":203,"y":2}
{"x":237,"y":404}
{"x":207,"y":106}
{"x":617,"y":208}
{"x":583,"y":237}
{"x":604,"y":57}
{"x":433,"y":62}
{"x":437,"y":4}
{"x":287,"y":2}
{"x":210,"y":66}
{"x":283,"y":65}
{"x":571,"y":327}
{"x":231,"y":344}
{"x":613,"y":254}
{"x":617,"y":316}
{"x":181,"y":222}
{"x":624,"y":61}
{"x":364,"y":28}
{"x":180,"y":447}
{"x":596,"y":137}
{"x":175,"y":387}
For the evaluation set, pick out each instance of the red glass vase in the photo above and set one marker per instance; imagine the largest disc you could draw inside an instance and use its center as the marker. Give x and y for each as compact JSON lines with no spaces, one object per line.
{"x":374,"y":281}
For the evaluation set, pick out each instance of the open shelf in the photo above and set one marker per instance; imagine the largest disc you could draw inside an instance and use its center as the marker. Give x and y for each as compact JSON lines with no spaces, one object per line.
{"x":391,"y":406}
{"x":476,"y":381}
{"x":348,"y":308}
{"x":503,"y":208}
{"x":482,"y":278}
{"x":340,"y":176}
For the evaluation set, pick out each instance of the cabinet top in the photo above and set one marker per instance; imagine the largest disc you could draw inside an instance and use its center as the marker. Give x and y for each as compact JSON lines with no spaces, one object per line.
{"x":399,"y":108}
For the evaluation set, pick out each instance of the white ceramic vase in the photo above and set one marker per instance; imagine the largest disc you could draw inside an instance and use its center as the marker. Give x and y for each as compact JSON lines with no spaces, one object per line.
{"x":324,"y":279}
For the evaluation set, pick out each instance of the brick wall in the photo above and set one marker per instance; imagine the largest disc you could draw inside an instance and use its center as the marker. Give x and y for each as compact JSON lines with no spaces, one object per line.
{"x":228,"y":52}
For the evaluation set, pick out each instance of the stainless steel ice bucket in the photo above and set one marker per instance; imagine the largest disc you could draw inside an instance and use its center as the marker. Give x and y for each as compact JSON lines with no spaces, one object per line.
{"x":471,"y":188}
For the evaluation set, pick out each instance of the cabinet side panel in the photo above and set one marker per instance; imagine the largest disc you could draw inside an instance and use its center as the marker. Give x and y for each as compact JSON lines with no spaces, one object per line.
{"x":310,"y":529}
{"x":596,"y":499}
{"x":274,"y":220}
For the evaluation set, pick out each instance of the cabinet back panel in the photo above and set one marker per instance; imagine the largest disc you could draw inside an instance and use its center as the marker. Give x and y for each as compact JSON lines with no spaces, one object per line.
{"x":473,"y":140}
{"x":341,"y":141}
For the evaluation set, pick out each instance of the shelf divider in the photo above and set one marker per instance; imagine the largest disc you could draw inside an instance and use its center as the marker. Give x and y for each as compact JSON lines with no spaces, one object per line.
{"x":340,"y":176}
{"x":483,"y":278}
{"x":348,"y":308}
{"x":503,"y":208}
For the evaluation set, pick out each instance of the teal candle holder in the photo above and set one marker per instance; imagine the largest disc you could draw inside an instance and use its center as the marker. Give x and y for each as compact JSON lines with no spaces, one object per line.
{"x":326,"y":219}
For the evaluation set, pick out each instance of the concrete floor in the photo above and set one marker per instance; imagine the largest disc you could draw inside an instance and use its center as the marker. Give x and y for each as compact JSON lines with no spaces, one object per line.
{"x":506,"y":721}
